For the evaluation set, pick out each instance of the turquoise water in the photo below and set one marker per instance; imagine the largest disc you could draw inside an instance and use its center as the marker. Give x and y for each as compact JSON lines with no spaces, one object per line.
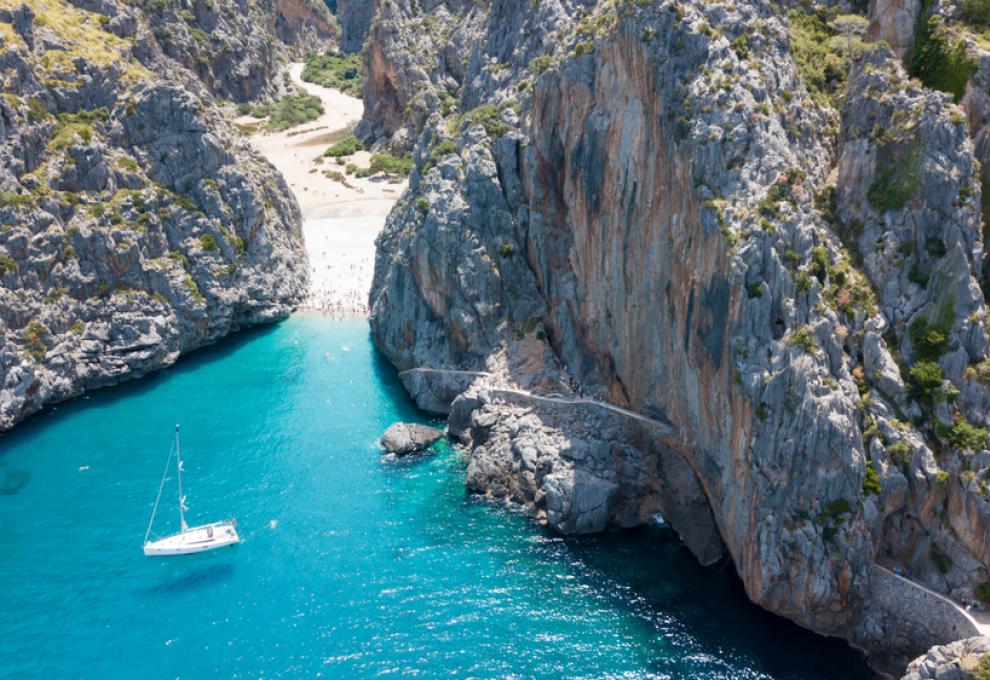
{"x":351,"y":566}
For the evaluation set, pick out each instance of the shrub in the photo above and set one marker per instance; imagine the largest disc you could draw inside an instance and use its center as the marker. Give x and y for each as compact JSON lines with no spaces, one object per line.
{"x":32,"y":336}
{"x":540,"y":64}
{"x":871,"y":481}
{"x":930,"y":342}
{"x":294,"y":109}
{"x":388,"y":164}
{"x":918,"y":277}
{"x":963,"y":435}
{"x":976,"y":13}
{"x":422,"y":205}
{"x":208,"y":242}
{"x":7,"y":264}
{"x":896,"y":181}
{"x":935,"y":247}
{"x":818,"y":59}
{"x":982,"y":593}
{"x":937,"y":61}
{"x":348,"y":146}
{"x":820,"y":263}
{"x":925,"y":379}
{"x":489,"y":117}
{"x":336,"y":70}
{"x":442,"y":149}
{"x":941,"y":561}
{"x":833,"y":509}
{"x":804,"y":339}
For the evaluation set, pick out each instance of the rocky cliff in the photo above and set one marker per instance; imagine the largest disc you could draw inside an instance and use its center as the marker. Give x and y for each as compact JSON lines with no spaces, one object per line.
{"x":354,"y":18}
{"x":751,"y":246}
{"x":134,"y":223}
{"x":236,"y":47}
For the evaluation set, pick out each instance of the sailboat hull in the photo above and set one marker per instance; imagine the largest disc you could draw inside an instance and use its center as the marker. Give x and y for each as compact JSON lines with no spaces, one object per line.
{"x":194,"y":540}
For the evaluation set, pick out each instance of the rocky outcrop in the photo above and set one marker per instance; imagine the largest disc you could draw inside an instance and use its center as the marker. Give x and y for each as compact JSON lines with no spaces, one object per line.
{"x":956,"y":661}
{"x":354,"y":18}
{"x":645,"y":220}
{"x":893,"y":21}
{"x":235,"y":48}
{"x":135,"y":225}
{"x":404,"y":438}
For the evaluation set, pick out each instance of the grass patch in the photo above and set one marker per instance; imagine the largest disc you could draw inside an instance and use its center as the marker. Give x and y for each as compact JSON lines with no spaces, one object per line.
{"x":336,"y":70}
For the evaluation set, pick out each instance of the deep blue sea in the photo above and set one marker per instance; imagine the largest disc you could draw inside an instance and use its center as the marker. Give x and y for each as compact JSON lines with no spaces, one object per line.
{"x":350,"y":565}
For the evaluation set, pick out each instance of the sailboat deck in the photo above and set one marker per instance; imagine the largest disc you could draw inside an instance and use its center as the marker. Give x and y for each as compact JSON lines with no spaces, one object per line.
{"x":195,"y":539}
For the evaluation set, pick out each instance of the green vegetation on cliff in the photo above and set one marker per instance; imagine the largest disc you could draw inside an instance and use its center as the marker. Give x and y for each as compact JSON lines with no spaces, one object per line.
{"x":940,"y":62}
{"x":817,"y":54}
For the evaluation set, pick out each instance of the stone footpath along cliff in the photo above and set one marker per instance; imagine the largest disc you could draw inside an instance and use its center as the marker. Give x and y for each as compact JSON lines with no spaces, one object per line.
{"x":135,"y":224}
{"x":760,"y":239}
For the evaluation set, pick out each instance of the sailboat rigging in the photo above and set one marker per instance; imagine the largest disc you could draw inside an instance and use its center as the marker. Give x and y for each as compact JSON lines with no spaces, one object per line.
{"x":188,"y":540}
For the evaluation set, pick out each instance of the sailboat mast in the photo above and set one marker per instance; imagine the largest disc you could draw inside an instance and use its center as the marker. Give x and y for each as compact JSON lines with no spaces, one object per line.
{"x":182,"y":500}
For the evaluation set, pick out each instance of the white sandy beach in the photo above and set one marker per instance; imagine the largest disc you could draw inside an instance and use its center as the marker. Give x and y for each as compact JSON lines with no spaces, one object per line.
{"x":340,"y":222}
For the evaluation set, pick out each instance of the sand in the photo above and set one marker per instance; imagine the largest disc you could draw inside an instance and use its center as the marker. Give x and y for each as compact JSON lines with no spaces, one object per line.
{"x":340,"y":222}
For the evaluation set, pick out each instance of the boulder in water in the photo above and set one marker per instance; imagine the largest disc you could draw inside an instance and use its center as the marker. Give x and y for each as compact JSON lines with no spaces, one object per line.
{"x":405,"y":438}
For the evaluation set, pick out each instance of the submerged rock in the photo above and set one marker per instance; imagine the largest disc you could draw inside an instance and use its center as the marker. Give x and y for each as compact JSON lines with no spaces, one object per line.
{"x":405,"y":438}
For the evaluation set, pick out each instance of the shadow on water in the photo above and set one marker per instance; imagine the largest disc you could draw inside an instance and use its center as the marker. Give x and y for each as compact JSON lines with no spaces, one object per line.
{"x":207,"y":574}
{"x":110,"y":395}
{"x":13,"y":481}
{"x":650,"y":572}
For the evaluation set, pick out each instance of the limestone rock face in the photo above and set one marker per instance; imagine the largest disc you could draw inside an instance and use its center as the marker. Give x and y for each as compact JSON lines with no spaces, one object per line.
{"x":894,"y":22}
{"x":236,"y":47}
{"x":956,"y":661}
{"x":354,"y":18}
{"x":405,"y":438}
{"x":135,"y":224}
{"x":684,"y":287}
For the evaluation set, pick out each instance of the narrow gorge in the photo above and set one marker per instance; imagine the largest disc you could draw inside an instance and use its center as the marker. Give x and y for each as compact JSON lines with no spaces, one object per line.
{"x":708,"y":264}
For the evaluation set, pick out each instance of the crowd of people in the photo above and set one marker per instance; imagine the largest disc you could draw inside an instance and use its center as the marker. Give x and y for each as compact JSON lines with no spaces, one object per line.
{"x":340,"y":290}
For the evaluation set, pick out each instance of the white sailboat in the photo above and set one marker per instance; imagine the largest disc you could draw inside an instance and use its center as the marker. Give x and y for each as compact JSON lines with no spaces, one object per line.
{"x":190,"y":539}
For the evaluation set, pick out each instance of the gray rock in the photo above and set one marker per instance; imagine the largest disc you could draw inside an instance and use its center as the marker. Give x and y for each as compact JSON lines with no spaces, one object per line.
{"x":956,"y":661}
{"x":135,"y":224}
{"x":638,"y":196}
{"x":405,"y":438}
